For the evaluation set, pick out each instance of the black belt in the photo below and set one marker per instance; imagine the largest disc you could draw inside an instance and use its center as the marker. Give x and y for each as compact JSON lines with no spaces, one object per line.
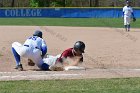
{"x":28,"y":46}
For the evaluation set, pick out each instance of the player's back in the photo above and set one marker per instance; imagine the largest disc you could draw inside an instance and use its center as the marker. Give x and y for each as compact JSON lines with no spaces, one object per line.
{"x":34,"y":42}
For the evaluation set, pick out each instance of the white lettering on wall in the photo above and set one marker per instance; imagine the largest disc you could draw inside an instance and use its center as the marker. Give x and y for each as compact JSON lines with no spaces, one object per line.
{"x":23,"y":13}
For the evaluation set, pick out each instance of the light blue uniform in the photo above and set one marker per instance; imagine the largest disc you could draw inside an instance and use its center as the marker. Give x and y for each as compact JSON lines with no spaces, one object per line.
{"x":33,"y":48}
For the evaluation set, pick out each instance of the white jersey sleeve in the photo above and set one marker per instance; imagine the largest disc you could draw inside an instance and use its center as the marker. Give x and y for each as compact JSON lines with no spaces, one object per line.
{"x":43,"y":43}
{"x":123,"y":8}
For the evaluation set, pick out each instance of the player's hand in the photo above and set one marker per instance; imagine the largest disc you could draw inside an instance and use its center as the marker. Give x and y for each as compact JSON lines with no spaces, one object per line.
{"x":134,"y":19}
{"x":78,"y":57}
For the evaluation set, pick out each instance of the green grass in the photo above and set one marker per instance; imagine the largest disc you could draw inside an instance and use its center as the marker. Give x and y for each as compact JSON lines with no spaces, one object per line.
{"x":83,"y":22}
{"x":128,"y":85}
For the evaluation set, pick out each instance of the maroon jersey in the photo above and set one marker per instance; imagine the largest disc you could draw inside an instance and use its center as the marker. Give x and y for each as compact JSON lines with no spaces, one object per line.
{"x":68,"y":53}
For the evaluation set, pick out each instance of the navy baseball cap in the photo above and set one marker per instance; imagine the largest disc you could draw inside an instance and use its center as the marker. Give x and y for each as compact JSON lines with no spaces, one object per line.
{"x":38,"y":33}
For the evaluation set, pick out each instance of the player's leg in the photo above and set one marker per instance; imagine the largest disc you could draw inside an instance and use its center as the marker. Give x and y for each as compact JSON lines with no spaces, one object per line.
{"x":37,"y":59}
{"x":15,"y":47}
{"x":16,"y":56}
{"x":125,"y":23}
{"x":51,"y":61}
{"x":125,"y":27}
{"x":128,"y":27}
{"x":128,"y":23}
{"x":49,"y":56}
{"x":42,"y":65}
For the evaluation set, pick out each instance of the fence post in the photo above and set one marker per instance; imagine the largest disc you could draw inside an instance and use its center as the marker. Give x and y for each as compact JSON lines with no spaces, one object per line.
{"x":90,"y":3}
{"x":13,"y":1}
{"x":96,"y":3}
{"x":64,"y":3}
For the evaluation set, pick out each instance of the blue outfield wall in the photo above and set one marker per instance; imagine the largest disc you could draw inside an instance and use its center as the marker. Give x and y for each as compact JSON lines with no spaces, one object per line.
{"x":64,"y":12}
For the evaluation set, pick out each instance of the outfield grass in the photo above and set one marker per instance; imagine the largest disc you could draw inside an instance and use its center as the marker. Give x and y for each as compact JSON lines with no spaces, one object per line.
{"x":128,"y":85}
{"x":84,"y":22}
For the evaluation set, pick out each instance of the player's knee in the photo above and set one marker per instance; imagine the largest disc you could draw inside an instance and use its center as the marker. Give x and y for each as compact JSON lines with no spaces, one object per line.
{"x":45,"y":66}
{"x":15,"y":44}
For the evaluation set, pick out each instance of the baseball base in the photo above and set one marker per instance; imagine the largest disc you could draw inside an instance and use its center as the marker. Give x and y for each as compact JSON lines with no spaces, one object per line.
{"x":74,"y":68}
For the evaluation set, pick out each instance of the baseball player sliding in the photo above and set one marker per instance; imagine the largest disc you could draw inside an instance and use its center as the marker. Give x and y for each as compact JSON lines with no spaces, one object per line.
{"x":127,"y":13}
{"x":69,"y":58}
{"x":34,"y":49}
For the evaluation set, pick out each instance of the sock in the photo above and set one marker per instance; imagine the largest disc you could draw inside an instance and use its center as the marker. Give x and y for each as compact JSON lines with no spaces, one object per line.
{"x":17,"y":56}
{"x":125,"y":27}
{"x":128,"y":26}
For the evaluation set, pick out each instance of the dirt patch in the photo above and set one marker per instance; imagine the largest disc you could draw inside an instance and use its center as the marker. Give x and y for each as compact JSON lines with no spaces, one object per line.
{"x":106,"y":48}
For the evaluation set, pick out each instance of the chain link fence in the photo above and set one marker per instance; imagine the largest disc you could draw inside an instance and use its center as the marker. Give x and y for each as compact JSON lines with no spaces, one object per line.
{"x":69,"y":3}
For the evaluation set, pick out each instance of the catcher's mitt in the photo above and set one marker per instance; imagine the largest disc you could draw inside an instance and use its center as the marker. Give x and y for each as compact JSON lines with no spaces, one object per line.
{"x":56,"y":68}
{"x":30,"y":62}
{"x":134,"y":19}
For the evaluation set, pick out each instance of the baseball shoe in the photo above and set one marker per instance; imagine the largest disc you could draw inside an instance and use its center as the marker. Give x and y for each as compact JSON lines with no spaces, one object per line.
{"x":55,"y":68}
{"x":126,"y":29}
{"x":19,"y":67}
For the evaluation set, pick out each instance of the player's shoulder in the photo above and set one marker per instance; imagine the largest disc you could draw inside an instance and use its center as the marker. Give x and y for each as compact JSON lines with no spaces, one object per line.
{"x":69,"y":49}
{"x":38,"y":38}
{"x":125,"y":7}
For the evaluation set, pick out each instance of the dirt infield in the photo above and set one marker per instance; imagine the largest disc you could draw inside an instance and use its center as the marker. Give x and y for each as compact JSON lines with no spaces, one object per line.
{"x":87,"y":74}
{"x":108,"y":50}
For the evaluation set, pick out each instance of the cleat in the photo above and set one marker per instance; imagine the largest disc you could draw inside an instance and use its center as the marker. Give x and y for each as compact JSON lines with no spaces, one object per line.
{"x":19,"y":67}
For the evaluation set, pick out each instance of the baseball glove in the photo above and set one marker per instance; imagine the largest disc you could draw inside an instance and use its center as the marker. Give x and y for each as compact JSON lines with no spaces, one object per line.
{"x":56,"y":68}
{"x":30,"y":62}
{"x":134,"y":19}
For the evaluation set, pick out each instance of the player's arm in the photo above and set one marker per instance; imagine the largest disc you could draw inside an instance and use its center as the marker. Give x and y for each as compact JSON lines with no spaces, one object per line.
{"x":64,"y":61}
{"x":132,"y":13}
{"x":43,"y":48}
{"x":75,"y":62}
{"x":133,"y":16}
{"x":123,"y":12}
{"x":78,"y":59}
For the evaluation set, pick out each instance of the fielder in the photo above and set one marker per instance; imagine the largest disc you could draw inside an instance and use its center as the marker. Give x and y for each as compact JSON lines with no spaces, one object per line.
{"x":127,"y":13}
{"x":34,"y":48}
{"x":69,"y":59}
